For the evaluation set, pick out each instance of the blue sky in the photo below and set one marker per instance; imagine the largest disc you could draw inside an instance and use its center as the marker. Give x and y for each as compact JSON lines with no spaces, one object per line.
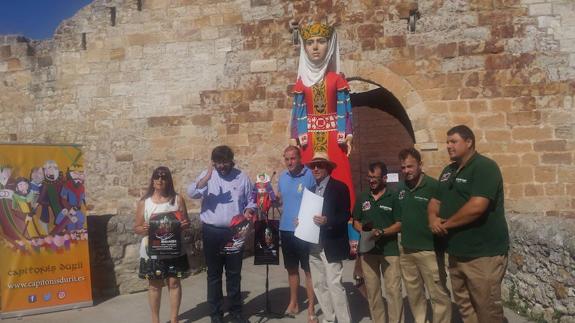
{"x":36,"y":19}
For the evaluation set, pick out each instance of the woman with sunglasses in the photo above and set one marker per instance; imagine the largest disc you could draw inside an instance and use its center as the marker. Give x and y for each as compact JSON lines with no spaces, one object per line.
{"x":159,"y":270}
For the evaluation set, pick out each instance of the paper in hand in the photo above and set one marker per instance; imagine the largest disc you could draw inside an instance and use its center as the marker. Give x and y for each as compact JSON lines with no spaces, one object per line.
{"x":311,"y":205}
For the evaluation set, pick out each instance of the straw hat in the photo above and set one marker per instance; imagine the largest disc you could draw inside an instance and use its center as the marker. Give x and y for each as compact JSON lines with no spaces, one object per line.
{"x":321,"y":158}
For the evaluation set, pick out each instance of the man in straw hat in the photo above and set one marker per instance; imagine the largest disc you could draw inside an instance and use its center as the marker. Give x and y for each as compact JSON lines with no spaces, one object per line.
{"x":326,"y":257}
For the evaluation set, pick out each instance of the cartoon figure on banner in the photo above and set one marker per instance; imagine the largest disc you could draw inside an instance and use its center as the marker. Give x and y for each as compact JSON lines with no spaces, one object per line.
{"x":28,"y":206}
{"x":36,"y":180}
{"x":20,"y":200}
{"x":263,"y":194}
{"x":49,"y":198}
{"x":21,"y":204}
{"x":11,"y":222}
{"x":71,"y":218}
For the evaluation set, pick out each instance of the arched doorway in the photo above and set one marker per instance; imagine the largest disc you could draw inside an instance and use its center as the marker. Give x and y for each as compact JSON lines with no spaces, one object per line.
{"x":381,"y":129}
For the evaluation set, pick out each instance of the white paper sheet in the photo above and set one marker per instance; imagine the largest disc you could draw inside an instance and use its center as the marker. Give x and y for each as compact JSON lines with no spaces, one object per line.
{"x":392,"y":177}
{"x":311,"y":204}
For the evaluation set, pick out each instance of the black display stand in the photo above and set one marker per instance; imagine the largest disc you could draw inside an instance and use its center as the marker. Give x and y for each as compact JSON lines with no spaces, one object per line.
{"x":267,"y":314}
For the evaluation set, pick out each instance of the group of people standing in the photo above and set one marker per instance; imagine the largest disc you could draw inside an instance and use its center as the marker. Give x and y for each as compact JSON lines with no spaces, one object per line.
{"x":409,"y":229}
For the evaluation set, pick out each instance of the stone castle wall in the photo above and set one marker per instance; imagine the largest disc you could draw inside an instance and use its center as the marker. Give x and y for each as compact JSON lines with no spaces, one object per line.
{"x":167,"y":80}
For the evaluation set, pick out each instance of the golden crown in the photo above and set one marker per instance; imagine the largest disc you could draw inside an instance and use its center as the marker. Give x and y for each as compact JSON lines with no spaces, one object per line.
{"x":316,"y":30}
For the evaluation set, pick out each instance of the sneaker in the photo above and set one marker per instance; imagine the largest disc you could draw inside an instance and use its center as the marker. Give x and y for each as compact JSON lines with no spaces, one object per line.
{"x":238,"y":318}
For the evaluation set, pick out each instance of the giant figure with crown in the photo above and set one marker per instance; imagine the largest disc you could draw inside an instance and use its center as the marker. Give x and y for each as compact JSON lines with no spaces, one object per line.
{"x":321,"y":112}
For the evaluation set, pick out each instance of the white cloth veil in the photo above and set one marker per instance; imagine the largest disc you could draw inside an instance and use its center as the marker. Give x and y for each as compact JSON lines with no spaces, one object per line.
{"x":310,"y":73}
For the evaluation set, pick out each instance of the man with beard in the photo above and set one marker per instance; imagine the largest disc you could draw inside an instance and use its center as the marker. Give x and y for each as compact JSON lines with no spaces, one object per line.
{"x":225,"y":193}
{"x":468,"y":208}
{"x":73,"y":196}
{"x":49,"y":197}
{"x":377,"y":212}
{"x":422,"y":259}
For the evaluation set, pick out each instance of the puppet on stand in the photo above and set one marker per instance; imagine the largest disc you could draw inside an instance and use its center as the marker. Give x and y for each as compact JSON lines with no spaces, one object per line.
{"x":266,"y":230}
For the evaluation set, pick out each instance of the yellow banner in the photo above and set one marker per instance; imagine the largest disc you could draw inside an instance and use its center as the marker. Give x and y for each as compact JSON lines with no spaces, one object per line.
{"x":45,"y":262}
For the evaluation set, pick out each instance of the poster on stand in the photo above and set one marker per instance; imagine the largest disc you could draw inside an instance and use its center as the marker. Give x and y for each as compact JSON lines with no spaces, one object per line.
{"x":266,"y":242}
{"x":45,"y":263}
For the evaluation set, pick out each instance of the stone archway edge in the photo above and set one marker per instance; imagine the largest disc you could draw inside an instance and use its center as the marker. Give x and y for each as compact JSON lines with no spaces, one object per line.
{"x":402,"y":90}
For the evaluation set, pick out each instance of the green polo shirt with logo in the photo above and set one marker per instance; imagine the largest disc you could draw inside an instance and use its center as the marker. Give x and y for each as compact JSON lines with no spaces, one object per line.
{"x":383,"y":213}
{"x":415,"y":232}
{"x":488,"y":235}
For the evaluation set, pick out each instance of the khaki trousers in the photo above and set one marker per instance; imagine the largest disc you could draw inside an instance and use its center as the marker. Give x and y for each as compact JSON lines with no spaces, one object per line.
{"x":330,"y":293}
{"x":423,"y":270}
{"x":476,"y":284}
{"x":373,"y":267}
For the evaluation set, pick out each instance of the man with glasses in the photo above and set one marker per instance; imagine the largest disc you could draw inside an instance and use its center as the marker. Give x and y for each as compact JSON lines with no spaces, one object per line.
{"x":326,"y":258}
{"x":225,"y":194}
{"x":422,"y":260}
{"x":468,"y":209}
{"x":376,"y":213}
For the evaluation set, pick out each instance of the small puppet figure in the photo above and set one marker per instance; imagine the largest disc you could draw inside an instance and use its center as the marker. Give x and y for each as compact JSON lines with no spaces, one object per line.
{"x":263,"y":194}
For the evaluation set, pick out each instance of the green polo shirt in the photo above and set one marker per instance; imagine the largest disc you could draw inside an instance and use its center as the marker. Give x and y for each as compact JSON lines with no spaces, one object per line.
{"x":415,"y":232}
{"x":488,"y":235}
{"x":382,"y":212}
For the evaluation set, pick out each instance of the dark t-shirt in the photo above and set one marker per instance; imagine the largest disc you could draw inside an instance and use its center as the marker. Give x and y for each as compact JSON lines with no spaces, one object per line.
{"x":415,"y":232}
{"x":488,"y":235}
{"x":382,"y":212}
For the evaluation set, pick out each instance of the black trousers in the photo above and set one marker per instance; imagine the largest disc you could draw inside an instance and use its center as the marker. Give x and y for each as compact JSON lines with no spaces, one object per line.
{"x":214,"y":239}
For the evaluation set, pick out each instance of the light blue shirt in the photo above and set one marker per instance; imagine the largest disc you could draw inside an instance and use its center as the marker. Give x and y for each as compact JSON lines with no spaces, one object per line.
{"x":291,"y":189}
{"x":223,"y":197}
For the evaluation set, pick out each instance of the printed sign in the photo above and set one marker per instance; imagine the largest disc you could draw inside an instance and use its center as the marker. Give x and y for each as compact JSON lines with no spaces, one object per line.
{"x":43,"y":237}
{"x":267,"y":240}
{"x":164,"y":235}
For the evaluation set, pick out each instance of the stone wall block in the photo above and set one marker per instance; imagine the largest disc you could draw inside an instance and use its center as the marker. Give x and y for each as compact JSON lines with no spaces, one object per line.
{"x":540,"y":9}
{"x":546,"y":174}
{"x":166,"y":121}
{"x":267,"y":65}
{"x":497,"y":135}
{"x":5,"y":52}
{"x":516,"y":175}
{"x":550,"y":145}
{"x":531,"y":133}
{"x":491,"y":121}
{"x":557,"y":158}
{"x":523,"y":118}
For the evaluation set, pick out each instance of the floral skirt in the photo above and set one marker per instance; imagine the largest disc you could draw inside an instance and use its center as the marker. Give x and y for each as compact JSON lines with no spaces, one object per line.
{"x":163,"y":268}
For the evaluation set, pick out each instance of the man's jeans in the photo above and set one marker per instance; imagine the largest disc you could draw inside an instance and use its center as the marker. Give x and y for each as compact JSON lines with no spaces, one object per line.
{"x":214,"y":239}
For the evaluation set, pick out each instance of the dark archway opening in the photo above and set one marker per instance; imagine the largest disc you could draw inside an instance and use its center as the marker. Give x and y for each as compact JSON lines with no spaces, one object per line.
{"x":381,"y":129}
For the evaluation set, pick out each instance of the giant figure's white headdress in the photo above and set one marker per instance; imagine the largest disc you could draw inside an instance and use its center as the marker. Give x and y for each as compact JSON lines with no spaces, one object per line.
{"x":309,"y":72}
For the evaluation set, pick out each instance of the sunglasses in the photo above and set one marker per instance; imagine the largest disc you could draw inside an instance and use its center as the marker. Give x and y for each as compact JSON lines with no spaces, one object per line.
{"x":162,"y":176}
{"x":318,"y":166}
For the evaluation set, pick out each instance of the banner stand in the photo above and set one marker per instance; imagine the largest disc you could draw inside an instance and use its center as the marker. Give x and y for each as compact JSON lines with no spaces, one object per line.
{"x":44,"y":310}
{"x":44,"y":249}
